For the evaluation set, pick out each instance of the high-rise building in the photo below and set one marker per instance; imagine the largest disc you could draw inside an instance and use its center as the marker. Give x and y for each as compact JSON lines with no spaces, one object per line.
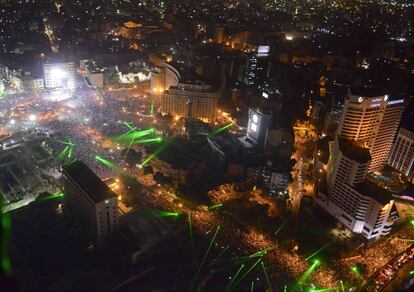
{"x":371,"y":120}
{"x":402,"y":154}
{"x":195,"y":101}
{"x":345,"y":193}
{"x":257,"y":66}
{"x":258,"y":125}
{"x":59,"y":75}
{"x":90,"y":201}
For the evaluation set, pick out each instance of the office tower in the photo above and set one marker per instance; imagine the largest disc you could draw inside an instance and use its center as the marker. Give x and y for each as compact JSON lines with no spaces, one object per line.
{"x":402,"y":154}
{"x":90,"y":201}
{"x":359,"y":204}
{"x":260,"y":122}
{"x":257,"y":66}
{"x":190,"y":100}
{"x":371,"y":120}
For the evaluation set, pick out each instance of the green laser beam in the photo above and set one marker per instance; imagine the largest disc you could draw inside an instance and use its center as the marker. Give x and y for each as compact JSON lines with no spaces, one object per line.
{"x":281,"y":226}
{"x":149,"y":140}
{"x":153,"y":155}
{"x":215,"y":206}
{"x":5,"y":239}
{"x":220,"y":254}
{"x":159,"y":213}
{"x":107,"y":162}
{"x":62,"y":154}
{"x":129,"y":125}
{"x":285,"y":289}
{"x":51,"y":197}
{"x":152,"y":106}
{"x":219,"y":130}
{"x":267,"y":276}
{"x":342,"y":285}
{"x":309,"y":271}
{"x":356,"y":271}
{"x":252,"y":286}
{"x":133,"y":135}
{"x":234,"y":277}
{"x":191,"y":230}
{"x":319,"y":250}
{"x":204,"y":258}
{"x":246,"y":273}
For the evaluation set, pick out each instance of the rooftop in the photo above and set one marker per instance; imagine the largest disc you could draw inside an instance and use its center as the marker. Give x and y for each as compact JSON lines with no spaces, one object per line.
{"x":353,"y":151}
{"x":143,"y":228}
{"x":366,"y":91}
{"x":372,"y":190}
{"x":90,"y":183}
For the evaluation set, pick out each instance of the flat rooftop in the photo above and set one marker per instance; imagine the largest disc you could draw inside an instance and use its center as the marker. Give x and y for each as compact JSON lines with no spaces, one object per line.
{"x":88,"y":181}
{"x":353,"y":151}
{"x":372,"y":190}
{"x":366,"y":91}
{"x":143,"y":228}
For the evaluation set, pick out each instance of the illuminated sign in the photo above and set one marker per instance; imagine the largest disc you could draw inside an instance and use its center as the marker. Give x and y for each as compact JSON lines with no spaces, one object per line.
{"x":265,"y":95}
{"x":379,"y":99}
{"x":255,"y":119}
{"x":360,"y":99}
{"x":375,"y":104}
{"x":395,"y":101}
{"x":253,"y":127}
{"x":263,"y":49}
{"x":254,"y":124}
{"x":386,"y":97}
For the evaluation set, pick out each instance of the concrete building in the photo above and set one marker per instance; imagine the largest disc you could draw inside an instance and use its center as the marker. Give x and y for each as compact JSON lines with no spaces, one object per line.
{"x":402,"y":154}
{"x":260,"y":122}
{"x":371,"y":119}
{"x":59,"y":75}
{"x":345,"y":193}
{"x":257,"y":67}
{"x":190,"y":100}
{"x":94,"y":74}
{"x":163,"y":78}
{"x":90,"y":201}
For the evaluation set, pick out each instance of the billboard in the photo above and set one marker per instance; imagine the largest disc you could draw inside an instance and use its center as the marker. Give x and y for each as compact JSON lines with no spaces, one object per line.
{"x":263,"y":50}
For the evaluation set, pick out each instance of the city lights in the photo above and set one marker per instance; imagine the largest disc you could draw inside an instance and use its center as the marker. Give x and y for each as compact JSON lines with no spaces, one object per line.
{"x":224,"y":145}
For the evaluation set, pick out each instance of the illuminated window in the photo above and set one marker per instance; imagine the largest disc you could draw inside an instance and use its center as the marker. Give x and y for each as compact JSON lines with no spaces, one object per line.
{"x":255,"y":119}
{"x":253,"y":127}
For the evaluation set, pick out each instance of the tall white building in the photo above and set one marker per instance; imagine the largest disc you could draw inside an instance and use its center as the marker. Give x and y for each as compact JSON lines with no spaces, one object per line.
{"x":402,"y":154}
{"x":359,"y":204}
{"x":362,"y":144}
{"x":371,"y":120}
{"x":59,"y":75}
{"x":90,"y":201}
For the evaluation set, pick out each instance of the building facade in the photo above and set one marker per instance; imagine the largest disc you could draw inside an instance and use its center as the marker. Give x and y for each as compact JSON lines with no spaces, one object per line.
{"x":402,"y":154}
{"x":90,"y":201}
{"x":356,"y":202}
{"x":59,"y":75}
{"x":371,"y":120}
{"x":191,"y":101}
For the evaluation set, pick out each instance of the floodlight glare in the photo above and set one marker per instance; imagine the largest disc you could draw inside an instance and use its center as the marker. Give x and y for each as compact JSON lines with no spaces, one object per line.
{"x":57,"y":74}
{"x":32,"y":117}
{"x":12,"y":121}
